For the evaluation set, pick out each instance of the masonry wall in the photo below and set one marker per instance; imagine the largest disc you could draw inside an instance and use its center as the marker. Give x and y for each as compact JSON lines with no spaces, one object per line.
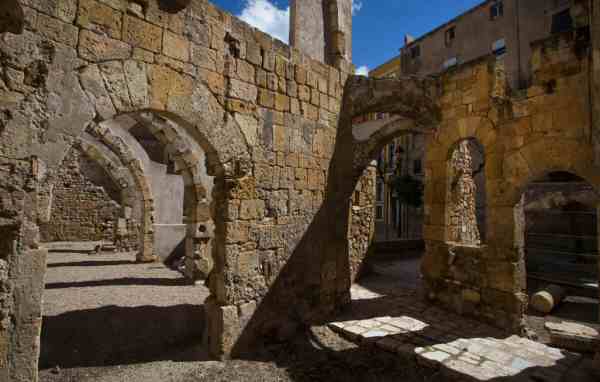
{"x":545,"y":128}
{"x":87,"y":204}
{"x":265,"y":114}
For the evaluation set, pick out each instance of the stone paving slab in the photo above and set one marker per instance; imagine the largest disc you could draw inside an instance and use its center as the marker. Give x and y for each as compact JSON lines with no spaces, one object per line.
{"x":459,"y":347}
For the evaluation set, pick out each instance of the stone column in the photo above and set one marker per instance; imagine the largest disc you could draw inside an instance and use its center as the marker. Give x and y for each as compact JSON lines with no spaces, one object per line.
{"x":322,"y":29}
{"x":22,"y":266}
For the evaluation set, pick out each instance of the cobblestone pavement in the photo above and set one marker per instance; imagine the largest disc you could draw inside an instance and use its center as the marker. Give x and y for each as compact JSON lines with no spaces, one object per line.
{"x":398,"y":321}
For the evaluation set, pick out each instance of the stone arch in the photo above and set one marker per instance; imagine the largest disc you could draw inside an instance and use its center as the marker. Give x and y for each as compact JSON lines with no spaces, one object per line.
{"x":179,"y":97}
{"x":127,"y":157}
{"x":138,"y":193}
{"x":412,"y":104}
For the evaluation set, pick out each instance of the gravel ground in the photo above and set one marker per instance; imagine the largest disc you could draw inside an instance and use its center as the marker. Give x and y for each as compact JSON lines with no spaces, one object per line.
{"x":104,"y":309}
{"x":108,"y":320}
{"x":77,"y":281}
{"x":316,"y":355}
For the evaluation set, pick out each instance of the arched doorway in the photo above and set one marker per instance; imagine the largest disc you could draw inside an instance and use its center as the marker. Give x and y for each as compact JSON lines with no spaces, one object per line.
{"x":559,"y":232}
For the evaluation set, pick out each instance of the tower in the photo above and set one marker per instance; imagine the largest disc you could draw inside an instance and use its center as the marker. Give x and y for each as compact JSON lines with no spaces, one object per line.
{"x":322,"y":29}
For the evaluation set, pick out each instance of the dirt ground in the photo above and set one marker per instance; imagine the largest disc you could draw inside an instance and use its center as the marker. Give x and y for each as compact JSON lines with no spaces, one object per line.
{"x":316,"y":355}
{"x":107,"y":319}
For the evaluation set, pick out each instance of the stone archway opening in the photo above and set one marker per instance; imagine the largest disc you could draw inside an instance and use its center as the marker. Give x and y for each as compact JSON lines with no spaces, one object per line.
{"x":557,"y":226}
{"x":466,"y":194}
{"x":97,"y":306}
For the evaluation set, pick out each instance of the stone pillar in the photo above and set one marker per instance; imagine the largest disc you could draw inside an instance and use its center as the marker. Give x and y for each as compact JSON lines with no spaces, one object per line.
{"x":322,"y":29}
{"x":22,"y":266}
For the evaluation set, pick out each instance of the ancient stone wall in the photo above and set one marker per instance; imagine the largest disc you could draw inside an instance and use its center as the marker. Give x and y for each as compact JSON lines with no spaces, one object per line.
{"x":525,"y":135}
{"x":462,"y":194}
{"x":87,"y":206}
{"x":264,"y":114}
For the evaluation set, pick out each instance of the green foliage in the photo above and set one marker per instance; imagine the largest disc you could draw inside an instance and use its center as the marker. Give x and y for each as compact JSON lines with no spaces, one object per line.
{"x":408,"y":189}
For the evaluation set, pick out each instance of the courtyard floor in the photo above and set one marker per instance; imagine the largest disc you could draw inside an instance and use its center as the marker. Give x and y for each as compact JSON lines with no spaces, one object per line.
{"x":108,"y":319}
{"x":388,"y":313}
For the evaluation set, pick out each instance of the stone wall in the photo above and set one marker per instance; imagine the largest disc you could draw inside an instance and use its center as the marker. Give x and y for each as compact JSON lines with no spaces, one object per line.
{"x":264,"y":114}
{"x":87,"y":206}
{"x":21,"y":263}
{"x":525,"y":135}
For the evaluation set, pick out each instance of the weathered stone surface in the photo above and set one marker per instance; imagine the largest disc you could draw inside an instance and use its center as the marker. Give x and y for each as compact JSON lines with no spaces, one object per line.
{"x":99,"y":18}
{"x":93,"y":85}
{"x":548,"y":298}
{"x":97,"y":48}
{"x":139,"y":33}
{"x":176,"y":46}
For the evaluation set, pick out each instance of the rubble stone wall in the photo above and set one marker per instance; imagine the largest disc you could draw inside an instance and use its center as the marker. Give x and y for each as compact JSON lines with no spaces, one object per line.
{"x":87,"y":205}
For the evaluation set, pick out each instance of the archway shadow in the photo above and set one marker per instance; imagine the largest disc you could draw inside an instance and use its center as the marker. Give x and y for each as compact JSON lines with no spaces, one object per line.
{"x":114,"y":335}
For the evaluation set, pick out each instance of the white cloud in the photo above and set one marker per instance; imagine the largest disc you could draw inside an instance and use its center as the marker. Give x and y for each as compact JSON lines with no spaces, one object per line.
{"x":362,"y":71}
{"x":356,"y":6}
{"x":264,"y":15}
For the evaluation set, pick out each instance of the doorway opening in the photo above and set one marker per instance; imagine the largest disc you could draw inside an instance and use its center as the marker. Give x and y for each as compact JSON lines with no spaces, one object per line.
{"x":560,"y":249}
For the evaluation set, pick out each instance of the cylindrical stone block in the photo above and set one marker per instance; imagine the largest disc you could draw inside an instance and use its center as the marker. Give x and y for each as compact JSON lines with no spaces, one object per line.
{"x":548,"y":298}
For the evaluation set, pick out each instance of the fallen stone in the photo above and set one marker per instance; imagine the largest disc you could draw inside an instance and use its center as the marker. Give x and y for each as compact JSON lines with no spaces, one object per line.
{"x":548,"y":298}
{"x":573,"y":336}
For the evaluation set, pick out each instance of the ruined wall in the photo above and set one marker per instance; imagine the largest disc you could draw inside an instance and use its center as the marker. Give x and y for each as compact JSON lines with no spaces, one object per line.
{"x":87,"y":205}
{"x":20,"y":261}
{"x":545,"y":128}
{"x":322,"y":29}
{"x":362,"y":221}
{"x":264,"y":114}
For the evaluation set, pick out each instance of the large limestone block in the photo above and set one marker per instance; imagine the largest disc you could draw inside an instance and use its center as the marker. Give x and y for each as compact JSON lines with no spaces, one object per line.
{"x":547,"y":299}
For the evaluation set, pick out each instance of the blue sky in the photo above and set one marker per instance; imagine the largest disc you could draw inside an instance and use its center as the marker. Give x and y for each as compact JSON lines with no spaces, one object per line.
{"x":379,"y":25}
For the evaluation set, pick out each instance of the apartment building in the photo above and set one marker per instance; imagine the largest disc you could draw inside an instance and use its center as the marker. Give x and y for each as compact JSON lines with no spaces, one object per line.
{"x":505,"y":28}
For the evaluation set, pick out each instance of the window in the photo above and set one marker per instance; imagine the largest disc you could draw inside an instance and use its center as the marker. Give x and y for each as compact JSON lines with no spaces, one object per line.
{"x":499,"y":47}
{"x":496,"y":10}
{"x":415,"y":51}
{"x":450,"y":35}
{"x":379,"y":193}
{"x":562,"y":21}
{"x":379,"y":212}
{"x":450,"y":62}
{"x":417,"y":167}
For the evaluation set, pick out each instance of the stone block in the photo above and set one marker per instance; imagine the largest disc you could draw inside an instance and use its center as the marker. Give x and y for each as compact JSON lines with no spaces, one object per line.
{"x":176,"y":46}
{"x":266,"y":98}
{"x":245,"y":71}
{"x":100,"y":18}
{"x":98,"y":48}
{"x":242,"y":90}
{"x":282,"y":102}
{"x":57,"y":30}
{"x":140,"y":33}
{"x":253,"y":54}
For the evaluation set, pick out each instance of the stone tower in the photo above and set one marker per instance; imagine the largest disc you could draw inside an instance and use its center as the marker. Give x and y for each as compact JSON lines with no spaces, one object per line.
{"x":322,"y":29}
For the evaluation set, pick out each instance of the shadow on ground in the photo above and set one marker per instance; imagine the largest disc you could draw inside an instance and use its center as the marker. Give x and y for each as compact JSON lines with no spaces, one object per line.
{"x":91,"y":263}
{"x":115,"y":335}
{"x":125,"y":281}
